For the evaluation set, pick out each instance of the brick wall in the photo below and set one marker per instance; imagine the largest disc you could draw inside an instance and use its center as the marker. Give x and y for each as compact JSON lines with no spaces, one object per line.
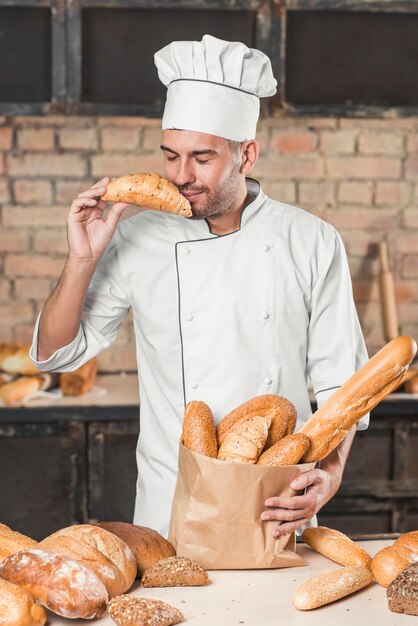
{"x":359,"y":174}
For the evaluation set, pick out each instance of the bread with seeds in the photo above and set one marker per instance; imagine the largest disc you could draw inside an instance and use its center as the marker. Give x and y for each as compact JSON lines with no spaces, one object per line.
{"x":132,"y":611}
{"x":199,"y":431}
{"x":176,"y":571}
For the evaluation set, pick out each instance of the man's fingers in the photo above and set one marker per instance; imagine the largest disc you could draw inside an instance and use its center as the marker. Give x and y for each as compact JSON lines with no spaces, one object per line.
{"x":101,"y":183}
{"x":114,"y":214}
{"x":288,"y":502}
{"x":306,"y":479}
{"x":288,"y":527}
{"x":287,"y":515}
{"x":98,"y":191}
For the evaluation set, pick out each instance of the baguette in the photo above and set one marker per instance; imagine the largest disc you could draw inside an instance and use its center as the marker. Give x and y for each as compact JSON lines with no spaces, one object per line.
{"x":366,"y":388}
{"x":16,"y":390}
{"x":331,"y":586}
{"x":80,"y":381}
{"x":199,"y":432}
{"x":18,"y":607}
{"x":287,"y":451}
{"x":411,"y":385}
{"x":336,"y":546}
{"x":244,"y":443}
{"x":151,"y":191}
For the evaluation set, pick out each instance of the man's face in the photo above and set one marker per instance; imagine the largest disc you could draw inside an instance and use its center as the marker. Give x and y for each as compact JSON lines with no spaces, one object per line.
{"x":204,"y":169}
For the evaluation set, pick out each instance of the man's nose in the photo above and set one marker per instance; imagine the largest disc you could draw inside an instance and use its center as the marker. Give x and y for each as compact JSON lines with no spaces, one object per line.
{"x":184,"y":174}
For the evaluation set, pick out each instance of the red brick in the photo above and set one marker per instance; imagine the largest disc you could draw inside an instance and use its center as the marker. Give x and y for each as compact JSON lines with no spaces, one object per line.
{"x":281,"y":191}
{"x":152,"y":139}
{"x":409,"y":329}
{"x":137,"y":122}
{"x":30,"y":164}
{"x":317,"y":193}
{"x":120,"y":139}
{"x":338,"y":142}
{"x":380,"y":124}
{"x":6,"y":138}
{"x":14,"y":240}
{"x":32,"y":191}
{"x":406,"y":290}
{"x":23,"y":331}
{"x":50,"y":240}
{"x":410,"y":266}
{"x":54,"y":120}
{"x":369,"y":313}
{"x":292,"y":142}
{"x":365,"y":290}
{"x":5,"y":291}
{"x":407,"y":241}
{"x":411,"y":168}
{"x":117,"y":165}
{"x":32,"y":288}
{"x":15,"y":312}
{"x":117,"y":360}
{"x":6,"y":333}
{"x":356,"y":193}
{"x":357,"y":242}
{"x":408,"y":313}
{"x":363,"y":167}
{"x":67,"y":190}
{"x":381,"y":219}
{"x":380,"y":143}
{"x":35,"y":216}
{"x":282,"y":120}
{"x":290,"y":167}
{"x":412,"y":143}
{"x":24,"y":265}
{"x":392,"y":193}
{"x":4,"y":191}
{"x":263,"y":139}
{"x":35,"y":139}
{"x":1,"y":164}
{"x":78,"y":138}
{"x":410,"y":218}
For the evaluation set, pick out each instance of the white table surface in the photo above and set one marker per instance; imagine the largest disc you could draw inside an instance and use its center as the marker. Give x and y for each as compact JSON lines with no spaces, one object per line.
{"x":263,"y":598}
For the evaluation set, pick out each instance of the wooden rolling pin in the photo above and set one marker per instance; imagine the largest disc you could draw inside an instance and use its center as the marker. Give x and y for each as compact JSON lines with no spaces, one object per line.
{"x":387,"y":295}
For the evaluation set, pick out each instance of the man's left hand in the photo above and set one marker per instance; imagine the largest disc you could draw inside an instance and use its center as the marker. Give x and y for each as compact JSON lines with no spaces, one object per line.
{"x":294,"y":511}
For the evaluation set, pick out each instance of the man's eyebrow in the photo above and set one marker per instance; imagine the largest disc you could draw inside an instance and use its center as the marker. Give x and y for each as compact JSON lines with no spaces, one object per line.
{"x":192,"y":153}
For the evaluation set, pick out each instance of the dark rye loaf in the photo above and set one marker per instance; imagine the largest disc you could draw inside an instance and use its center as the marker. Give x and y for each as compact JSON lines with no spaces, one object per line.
{"x":402,"y":593}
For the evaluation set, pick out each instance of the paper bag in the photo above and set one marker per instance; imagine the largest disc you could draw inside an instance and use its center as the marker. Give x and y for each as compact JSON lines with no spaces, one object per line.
{"x":215,"y":515}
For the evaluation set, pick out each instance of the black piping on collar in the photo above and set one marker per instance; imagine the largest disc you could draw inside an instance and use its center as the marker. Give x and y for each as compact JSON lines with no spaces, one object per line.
{"x":212,"y":82}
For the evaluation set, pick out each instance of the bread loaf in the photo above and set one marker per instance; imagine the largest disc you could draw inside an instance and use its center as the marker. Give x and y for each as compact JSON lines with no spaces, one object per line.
{"x":336,"y":546}
{"x":132,"y":611}
{"x":388,"y":563}
{"x":16,"y":390}
{"x":244,"y":443}
{"x":15,"y":359}
{"x":63,"y":585}
{"x":287,"y":451}
{"x":80,"y":381}
{"x":18,"y":607}
{"x":411,"y":385}
{"x":176,"y":571}
{"x":402,"y":593}
{"x":331,"y":586}
{"x":280,"y":411}
{"x":199,"y":432}
{"x":151,"y":191}
{"x":11,"y":542}
{"x":147,"y":545}
{"x":366,"y":388}
{"x":104,"y":553}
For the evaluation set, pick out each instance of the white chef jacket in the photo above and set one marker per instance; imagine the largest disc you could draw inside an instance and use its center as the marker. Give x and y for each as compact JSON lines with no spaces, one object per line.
{"x":219,"y":319}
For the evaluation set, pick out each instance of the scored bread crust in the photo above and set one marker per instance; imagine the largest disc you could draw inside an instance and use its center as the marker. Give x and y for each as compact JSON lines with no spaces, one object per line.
{"x":244,"y":442}
{"x":281,"y":412}
{"x":336,"y":546}
{"x":151,"y":191}
{"x":18,"y":607}
{"x":287,"y":451}
{"x":199,"y":431}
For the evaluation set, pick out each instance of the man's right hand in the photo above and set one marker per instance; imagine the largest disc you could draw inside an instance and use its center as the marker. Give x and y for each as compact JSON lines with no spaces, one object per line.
{"x":89,"y":233}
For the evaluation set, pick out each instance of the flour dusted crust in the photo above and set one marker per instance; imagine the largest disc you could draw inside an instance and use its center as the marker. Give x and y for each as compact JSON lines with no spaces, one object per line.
{"x":63,"y":585}
{"x":176,"y":571}
{"x":18,"y":607}
{"x":132,"y":611}
{"x":150,"y":191}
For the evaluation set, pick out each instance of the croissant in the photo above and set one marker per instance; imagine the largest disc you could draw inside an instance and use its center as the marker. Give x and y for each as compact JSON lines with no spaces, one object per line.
{"x":244,"y":443}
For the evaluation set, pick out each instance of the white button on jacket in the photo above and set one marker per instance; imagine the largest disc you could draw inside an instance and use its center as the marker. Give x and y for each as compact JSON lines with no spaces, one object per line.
{"x":303,"y":283}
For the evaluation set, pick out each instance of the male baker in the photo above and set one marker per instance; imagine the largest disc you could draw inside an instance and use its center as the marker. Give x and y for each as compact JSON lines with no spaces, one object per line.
{"x":250,"y":296}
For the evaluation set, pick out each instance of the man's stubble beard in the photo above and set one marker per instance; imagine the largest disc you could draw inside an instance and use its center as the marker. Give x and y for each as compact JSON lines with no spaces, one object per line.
{"x":219,"y":201}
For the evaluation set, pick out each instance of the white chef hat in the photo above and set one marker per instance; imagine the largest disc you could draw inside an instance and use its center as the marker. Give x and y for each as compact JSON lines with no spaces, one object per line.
{"x":214,"y":86}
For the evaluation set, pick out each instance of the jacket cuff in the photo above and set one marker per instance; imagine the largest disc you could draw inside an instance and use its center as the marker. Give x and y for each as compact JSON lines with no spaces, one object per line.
{"x":63,"y":358}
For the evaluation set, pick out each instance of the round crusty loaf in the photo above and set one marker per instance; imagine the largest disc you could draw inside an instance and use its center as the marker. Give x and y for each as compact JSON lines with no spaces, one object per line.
{"x":199,"y":432}
{"x":12,"y":541}
{"x":176,"y":571}
{"x":367,"y":387}
{"x":18,"y":607}
{"x":331,"y":586}
{"x":287,"y":451}
{"x":106,"y":554}
{"x":390,"y":561}
{"x":63,"y":585}
{"x":336,"y":546}
{"x":147,"y":545}
{"x":151,"y":191}
{"x":132,"y":611}
{"x":281,"y":412}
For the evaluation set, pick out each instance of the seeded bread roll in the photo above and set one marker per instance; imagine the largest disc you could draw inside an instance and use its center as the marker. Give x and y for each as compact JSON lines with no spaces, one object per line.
{"x":176,"y":571}
{"x":199,"y":432}
{"x":132,"y":611}
{"x":331,"y":586}
{"x":63,"y":585}
{"x":336,"y":546}
{"x":147,"y":545}
{"x":18,"y":607}
{"x":151,"y":191}
{"x":244,"y":443}
{"x":11,"y":542}
{"x":280,"y":411}
{"x":402,"y":592}
{"x":287,"y":451}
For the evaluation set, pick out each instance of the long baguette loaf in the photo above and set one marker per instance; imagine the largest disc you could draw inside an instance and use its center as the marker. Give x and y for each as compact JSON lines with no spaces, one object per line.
{"x":199,"y":431}
{"x":287,"y":451}
{"x":336,"y":546}
{"x":151,"y":191}
{"x":331,"y":586}
{"x":366,"y":388}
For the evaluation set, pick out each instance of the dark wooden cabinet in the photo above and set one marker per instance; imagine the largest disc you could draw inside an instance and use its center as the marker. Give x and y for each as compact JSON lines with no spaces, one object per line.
{"x":66,"y":465}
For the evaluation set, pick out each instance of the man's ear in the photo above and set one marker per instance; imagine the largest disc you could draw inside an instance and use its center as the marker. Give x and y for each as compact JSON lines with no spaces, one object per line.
{"x":250,"y":150}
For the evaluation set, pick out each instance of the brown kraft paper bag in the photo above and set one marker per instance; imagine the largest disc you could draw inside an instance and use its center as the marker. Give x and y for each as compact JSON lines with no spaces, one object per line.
{"x":215,"y":515}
